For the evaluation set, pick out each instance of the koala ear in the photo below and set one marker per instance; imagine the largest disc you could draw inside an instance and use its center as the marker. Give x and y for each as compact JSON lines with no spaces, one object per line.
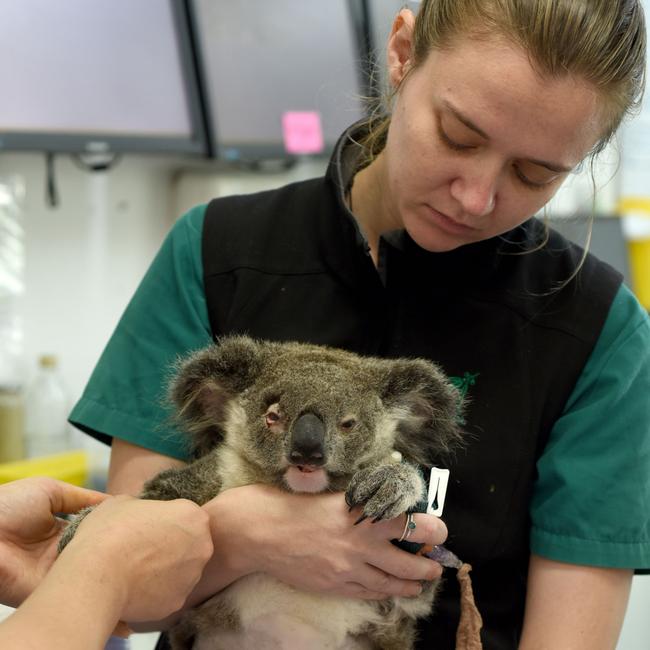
{"x":427,"y":405}
{"x":206,"y":382}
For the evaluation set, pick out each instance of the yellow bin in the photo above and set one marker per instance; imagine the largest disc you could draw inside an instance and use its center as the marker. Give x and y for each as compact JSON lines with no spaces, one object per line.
{"x":640,"y":269}
{"x":635,"y":212}
{"x":69,"y":466}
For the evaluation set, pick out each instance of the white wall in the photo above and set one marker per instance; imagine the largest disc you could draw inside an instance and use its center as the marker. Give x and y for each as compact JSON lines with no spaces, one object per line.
{"x":84,"y":258}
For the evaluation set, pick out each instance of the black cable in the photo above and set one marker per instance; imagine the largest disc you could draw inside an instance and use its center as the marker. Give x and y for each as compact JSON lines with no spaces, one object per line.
{"x":51,"y":192}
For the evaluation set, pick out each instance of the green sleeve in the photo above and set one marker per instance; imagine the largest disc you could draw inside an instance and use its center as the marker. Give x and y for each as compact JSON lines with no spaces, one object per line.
{"x":591,"y":502}
{"x":166,"y":317}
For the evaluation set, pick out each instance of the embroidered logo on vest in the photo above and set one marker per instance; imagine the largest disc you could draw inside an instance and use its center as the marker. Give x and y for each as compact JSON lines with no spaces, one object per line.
{"x":463,"y":383}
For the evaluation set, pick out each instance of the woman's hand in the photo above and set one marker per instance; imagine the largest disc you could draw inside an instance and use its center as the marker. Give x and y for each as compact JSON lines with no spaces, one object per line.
{"x":311,"y":542}
{"x":29,"y":530}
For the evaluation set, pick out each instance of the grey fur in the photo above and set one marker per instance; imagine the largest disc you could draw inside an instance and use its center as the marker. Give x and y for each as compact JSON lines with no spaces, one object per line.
{"x":255,"y":408}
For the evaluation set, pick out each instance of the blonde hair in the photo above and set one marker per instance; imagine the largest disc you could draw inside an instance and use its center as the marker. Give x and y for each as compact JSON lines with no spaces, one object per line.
{"x":600,"y":41}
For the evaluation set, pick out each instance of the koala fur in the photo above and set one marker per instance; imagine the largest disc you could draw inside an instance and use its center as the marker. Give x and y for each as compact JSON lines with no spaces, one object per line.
{"x":306,"y":418}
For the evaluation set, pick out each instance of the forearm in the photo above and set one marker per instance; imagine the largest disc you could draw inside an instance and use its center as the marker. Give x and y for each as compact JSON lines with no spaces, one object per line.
{"x":76,"y":607}
{"x":131,"y":466}
{"x":574,"y":607}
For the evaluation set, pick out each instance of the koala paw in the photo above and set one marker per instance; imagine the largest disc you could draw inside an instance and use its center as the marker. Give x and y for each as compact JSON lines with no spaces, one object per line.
{"x":386,"y":491}
{"x":71,"y":529}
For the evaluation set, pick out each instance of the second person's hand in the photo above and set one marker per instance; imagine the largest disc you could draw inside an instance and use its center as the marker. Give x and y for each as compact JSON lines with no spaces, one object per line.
{"x":30,"y":529}
{"x":155,"y":551}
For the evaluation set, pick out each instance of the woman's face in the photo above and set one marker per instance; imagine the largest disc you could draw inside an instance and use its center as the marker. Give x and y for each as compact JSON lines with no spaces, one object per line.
{"x":478,"y":141}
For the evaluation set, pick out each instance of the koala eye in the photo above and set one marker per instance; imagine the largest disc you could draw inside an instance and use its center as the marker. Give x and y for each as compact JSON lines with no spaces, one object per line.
{"x":348,"y":424}
{"x":272,"y":415}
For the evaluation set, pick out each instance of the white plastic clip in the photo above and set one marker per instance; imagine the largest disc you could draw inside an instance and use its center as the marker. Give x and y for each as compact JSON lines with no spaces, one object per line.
{"x":437,"y":491}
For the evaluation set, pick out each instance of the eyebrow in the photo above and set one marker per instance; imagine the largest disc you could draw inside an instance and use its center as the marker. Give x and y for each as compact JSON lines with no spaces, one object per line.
{"x":560,"y":169}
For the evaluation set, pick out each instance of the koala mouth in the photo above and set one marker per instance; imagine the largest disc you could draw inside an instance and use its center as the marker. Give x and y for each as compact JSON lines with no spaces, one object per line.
{"x":306,"y":478}
{"x":308,"y":469}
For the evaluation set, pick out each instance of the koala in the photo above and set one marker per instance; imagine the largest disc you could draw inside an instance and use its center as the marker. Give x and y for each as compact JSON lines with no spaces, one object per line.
{"x":308,"y":419}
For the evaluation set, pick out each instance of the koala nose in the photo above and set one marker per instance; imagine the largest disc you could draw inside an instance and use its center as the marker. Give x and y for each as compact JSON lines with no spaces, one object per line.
{"x":307,"y":440}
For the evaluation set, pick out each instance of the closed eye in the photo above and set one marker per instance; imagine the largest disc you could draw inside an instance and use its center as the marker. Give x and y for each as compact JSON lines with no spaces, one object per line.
{"x":348,"y":424}
{"x":528,"y":183}
{"x":452,"y":144}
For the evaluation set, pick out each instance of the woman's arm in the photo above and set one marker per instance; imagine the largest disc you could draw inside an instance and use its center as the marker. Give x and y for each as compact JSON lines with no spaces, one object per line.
{"x":311,"y":542}
{"x":574,"y":607}
{"x":130,"y":466}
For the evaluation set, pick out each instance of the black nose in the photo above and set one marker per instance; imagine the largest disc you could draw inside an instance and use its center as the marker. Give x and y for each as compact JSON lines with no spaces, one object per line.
{"x":307,"y":441}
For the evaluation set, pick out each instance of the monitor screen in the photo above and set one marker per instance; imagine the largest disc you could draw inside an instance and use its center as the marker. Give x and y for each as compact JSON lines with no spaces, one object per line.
{"x":271,"y":70}
{"x":98,"y":75}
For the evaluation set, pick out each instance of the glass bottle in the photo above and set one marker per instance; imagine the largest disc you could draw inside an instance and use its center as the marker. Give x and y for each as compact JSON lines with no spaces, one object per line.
{"x":46,"y":411}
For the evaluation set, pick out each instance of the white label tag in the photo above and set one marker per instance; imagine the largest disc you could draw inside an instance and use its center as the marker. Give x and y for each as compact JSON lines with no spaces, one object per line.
{"x":437,"y":491}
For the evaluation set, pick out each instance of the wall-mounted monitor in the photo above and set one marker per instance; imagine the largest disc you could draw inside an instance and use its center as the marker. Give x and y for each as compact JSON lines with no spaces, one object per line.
{"x":270,"y":66}
{"x":98,"y":76}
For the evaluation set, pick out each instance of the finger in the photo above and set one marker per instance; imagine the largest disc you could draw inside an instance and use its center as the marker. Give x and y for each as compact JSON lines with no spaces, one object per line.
{"x":406,"y":566}
{"x":377,"y":581}
{"x":428,"y":529}
{"x":68,"y":498}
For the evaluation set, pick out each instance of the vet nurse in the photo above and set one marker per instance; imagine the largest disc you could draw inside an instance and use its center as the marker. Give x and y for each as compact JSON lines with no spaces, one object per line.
{"x":420,"y":241}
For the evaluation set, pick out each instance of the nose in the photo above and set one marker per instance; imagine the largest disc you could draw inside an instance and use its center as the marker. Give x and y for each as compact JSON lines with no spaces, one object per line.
{"x":307,"y":441}
{"x":476,"y":191}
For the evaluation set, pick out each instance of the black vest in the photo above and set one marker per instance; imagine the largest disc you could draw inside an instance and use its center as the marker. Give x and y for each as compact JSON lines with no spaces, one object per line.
{"x":290,"y":264}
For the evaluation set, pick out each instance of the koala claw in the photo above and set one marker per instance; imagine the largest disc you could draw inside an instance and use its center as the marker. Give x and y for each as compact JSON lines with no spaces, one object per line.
{"x":385,"y":491}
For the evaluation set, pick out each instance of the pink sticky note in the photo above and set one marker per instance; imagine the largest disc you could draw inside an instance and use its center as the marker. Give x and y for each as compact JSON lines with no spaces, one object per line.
{"x":302,"y":132}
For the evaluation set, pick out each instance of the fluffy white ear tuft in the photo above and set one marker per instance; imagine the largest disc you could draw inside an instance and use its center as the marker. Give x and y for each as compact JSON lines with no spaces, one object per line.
{"x":425,"y":405}
{"x":207,"y":381}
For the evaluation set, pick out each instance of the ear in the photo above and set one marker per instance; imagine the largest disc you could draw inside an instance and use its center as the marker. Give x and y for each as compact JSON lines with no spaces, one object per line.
{"x":400,"y":46}
{"x":207,"y":381}
{"x":427,"y":405}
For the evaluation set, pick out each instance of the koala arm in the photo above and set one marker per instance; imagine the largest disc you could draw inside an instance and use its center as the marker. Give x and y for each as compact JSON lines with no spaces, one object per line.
{"x":197,"y":482}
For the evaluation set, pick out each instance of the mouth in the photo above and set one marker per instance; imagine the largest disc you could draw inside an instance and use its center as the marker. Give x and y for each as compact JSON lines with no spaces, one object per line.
{"x":450,"y":225}
{"x":307,"y":469}
{"x":306,"y":478}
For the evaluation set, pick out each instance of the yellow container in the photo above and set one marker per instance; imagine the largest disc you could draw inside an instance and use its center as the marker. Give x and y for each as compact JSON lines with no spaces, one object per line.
{"x":635,"y":211}
{"x":69,"y":466}
{"x":12,"y":427}
{"x":640,"y":268}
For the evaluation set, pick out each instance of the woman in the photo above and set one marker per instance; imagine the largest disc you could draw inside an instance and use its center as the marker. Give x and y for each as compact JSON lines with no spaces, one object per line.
{"x":420,"y":242}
